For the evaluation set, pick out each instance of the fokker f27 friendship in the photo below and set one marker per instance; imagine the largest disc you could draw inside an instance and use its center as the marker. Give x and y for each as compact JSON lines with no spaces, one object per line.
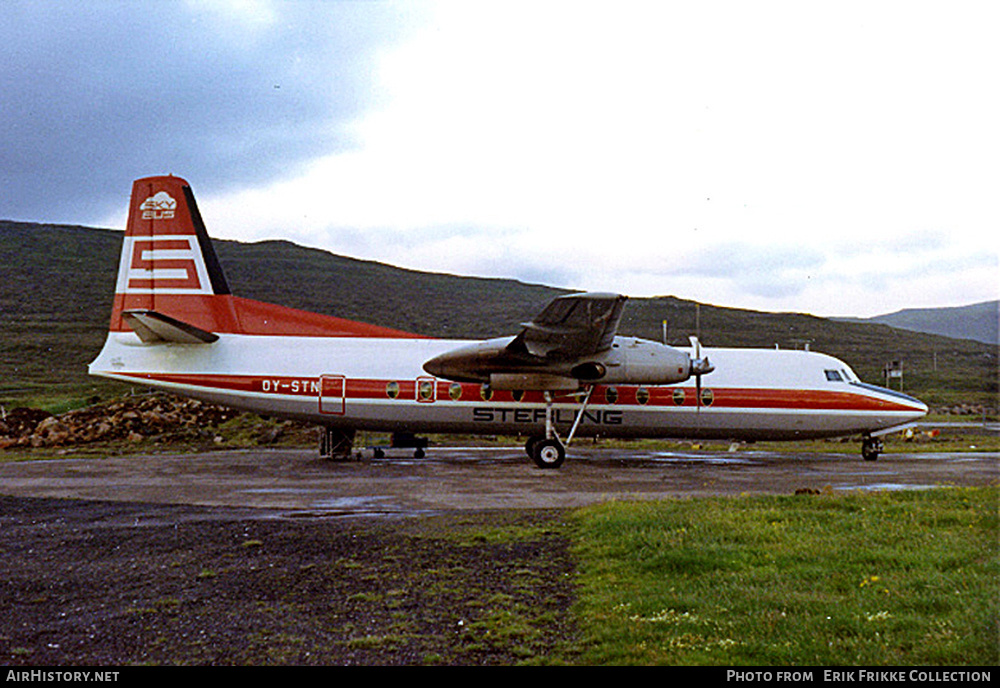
{"x":175,"y":326}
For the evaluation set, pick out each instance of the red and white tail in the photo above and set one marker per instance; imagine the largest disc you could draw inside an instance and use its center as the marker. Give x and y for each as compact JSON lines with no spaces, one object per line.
{"x":171,"y":286}
{"x":168,"y":265}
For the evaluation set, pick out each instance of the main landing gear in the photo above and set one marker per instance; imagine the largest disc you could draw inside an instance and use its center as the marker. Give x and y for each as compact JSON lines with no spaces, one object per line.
{"x":549,"y":451}
{"x":546,"y":452}
{"x":335,"y":444}
{"x":404,"y":440}
{"x":871,"y":447}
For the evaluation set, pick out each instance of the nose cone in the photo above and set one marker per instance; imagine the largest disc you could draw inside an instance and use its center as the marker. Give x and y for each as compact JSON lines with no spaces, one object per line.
{"x":919,"y":406}
{"x":905,"y":408}
{"x":919,"y":409}
{"x":913,"y":410}
{"x":913,"y":406}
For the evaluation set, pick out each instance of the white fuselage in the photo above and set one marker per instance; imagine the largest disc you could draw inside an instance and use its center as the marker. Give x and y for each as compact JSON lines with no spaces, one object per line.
{"x":378,"y":384}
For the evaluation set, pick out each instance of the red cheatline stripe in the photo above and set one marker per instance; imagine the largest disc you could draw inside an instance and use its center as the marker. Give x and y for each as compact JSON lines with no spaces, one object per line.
{"x":407,"y":390}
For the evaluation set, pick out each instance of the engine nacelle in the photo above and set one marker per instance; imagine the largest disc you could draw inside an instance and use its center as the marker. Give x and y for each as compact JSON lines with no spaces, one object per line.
{"x":473,"y":362}
{"x":629,"y":361}
{"x":633,"y":361}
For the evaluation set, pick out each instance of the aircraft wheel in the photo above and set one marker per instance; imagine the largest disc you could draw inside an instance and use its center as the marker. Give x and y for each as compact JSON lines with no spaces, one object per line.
{"x":871,"y":448}
{"x":529,"y":446}
{"x":548,"y":453}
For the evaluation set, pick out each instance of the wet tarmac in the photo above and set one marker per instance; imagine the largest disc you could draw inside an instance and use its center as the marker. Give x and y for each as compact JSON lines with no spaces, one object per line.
{"x":297,"y":483}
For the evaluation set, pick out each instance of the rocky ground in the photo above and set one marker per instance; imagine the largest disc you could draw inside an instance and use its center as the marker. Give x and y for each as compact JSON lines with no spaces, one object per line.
{"x":131,"y":418}
{"x":101,"y":583}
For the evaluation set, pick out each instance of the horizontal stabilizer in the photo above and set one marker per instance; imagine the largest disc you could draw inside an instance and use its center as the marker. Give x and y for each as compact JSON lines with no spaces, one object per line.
{"x":153,"y":328}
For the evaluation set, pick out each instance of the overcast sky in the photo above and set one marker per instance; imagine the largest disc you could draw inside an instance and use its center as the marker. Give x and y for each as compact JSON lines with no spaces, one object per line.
{"x":832,"y":158}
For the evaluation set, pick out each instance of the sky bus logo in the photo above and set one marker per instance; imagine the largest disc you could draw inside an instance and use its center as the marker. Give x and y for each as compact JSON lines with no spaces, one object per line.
{"x":160,"y":206}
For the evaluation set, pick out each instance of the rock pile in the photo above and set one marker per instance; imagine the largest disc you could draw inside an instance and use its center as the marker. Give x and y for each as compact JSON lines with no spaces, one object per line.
{"x":967,"y":410}
{"x":130,"y":419}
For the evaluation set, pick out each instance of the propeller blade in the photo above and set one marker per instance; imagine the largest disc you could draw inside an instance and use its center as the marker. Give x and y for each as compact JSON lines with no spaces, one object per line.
{"x":695,"y":346}
{"x":697,"y":394}
{"x":699,"y":366}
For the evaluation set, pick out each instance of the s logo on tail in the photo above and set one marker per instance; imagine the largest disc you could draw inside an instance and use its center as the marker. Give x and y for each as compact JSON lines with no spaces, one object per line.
{"x":167,"y":264}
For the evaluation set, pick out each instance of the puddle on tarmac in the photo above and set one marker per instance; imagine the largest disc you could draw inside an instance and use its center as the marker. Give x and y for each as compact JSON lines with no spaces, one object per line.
{"x":889,"y":487}
{"x":695,"y":458}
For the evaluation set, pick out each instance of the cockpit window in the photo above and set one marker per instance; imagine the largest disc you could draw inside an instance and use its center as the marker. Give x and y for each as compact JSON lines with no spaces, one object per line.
{"x":833,"y":376}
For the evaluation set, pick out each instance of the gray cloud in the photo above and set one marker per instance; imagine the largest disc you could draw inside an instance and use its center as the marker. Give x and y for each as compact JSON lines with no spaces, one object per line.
{"x":774,"y":271}
{"x":96,"y":94}
{"x":733,"y":260}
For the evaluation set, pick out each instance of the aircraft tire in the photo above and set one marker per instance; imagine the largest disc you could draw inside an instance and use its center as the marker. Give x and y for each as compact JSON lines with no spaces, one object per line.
{"x":548,"y":453}
{"x":529,"y":446}
{"x":870,"y":449}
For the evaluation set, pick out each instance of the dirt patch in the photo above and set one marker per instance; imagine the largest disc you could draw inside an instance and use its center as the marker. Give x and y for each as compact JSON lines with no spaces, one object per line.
{"x":117,"y":583}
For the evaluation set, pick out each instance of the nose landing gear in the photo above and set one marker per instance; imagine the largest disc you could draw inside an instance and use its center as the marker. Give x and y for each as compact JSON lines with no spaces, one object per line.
{"x":871,"y":447}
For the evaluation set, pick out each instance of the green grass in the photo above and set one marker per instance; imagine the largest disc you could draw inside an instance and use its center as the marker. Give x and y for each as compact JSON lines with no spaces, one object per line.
{"x":890,"y":578}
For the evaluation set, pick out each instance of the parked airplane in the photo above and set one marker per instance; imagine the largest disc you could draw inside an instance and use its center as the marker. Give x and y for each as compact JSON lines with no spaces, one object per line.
{"x":175,"y":326}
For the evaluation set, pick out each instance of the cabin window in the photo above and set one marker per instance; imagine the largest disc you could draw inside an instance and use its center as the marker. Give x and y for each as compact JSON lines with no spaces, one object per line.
{"x":425,"y":390}
{"x":834,"y":376}
{"x":642,"y":395}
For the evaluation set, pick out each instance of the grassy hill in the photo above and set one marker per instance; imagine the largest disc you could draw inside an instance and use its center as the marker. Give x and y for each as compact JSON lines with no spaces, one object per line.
{"x":978,"y":321}
{"x":56,"y":285}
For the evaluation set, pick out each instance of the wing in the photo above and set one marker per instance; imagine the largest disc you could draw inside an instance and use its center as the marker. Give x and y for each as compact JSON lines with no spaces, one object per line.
{"x":569,"y":344}
{"x":572,"y":326}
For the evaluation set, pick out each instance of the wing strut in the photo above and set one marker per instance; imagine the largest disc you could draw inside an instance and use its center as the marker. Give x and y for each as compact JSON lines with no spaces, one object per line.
{"x":579,"y":416}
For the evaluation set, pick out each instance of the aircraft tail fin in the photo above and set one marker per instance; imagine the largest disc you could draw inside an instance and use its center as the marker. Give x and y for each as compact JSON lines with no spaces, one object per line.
{"x":171,"y":287}
{"x":168,"y":265}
